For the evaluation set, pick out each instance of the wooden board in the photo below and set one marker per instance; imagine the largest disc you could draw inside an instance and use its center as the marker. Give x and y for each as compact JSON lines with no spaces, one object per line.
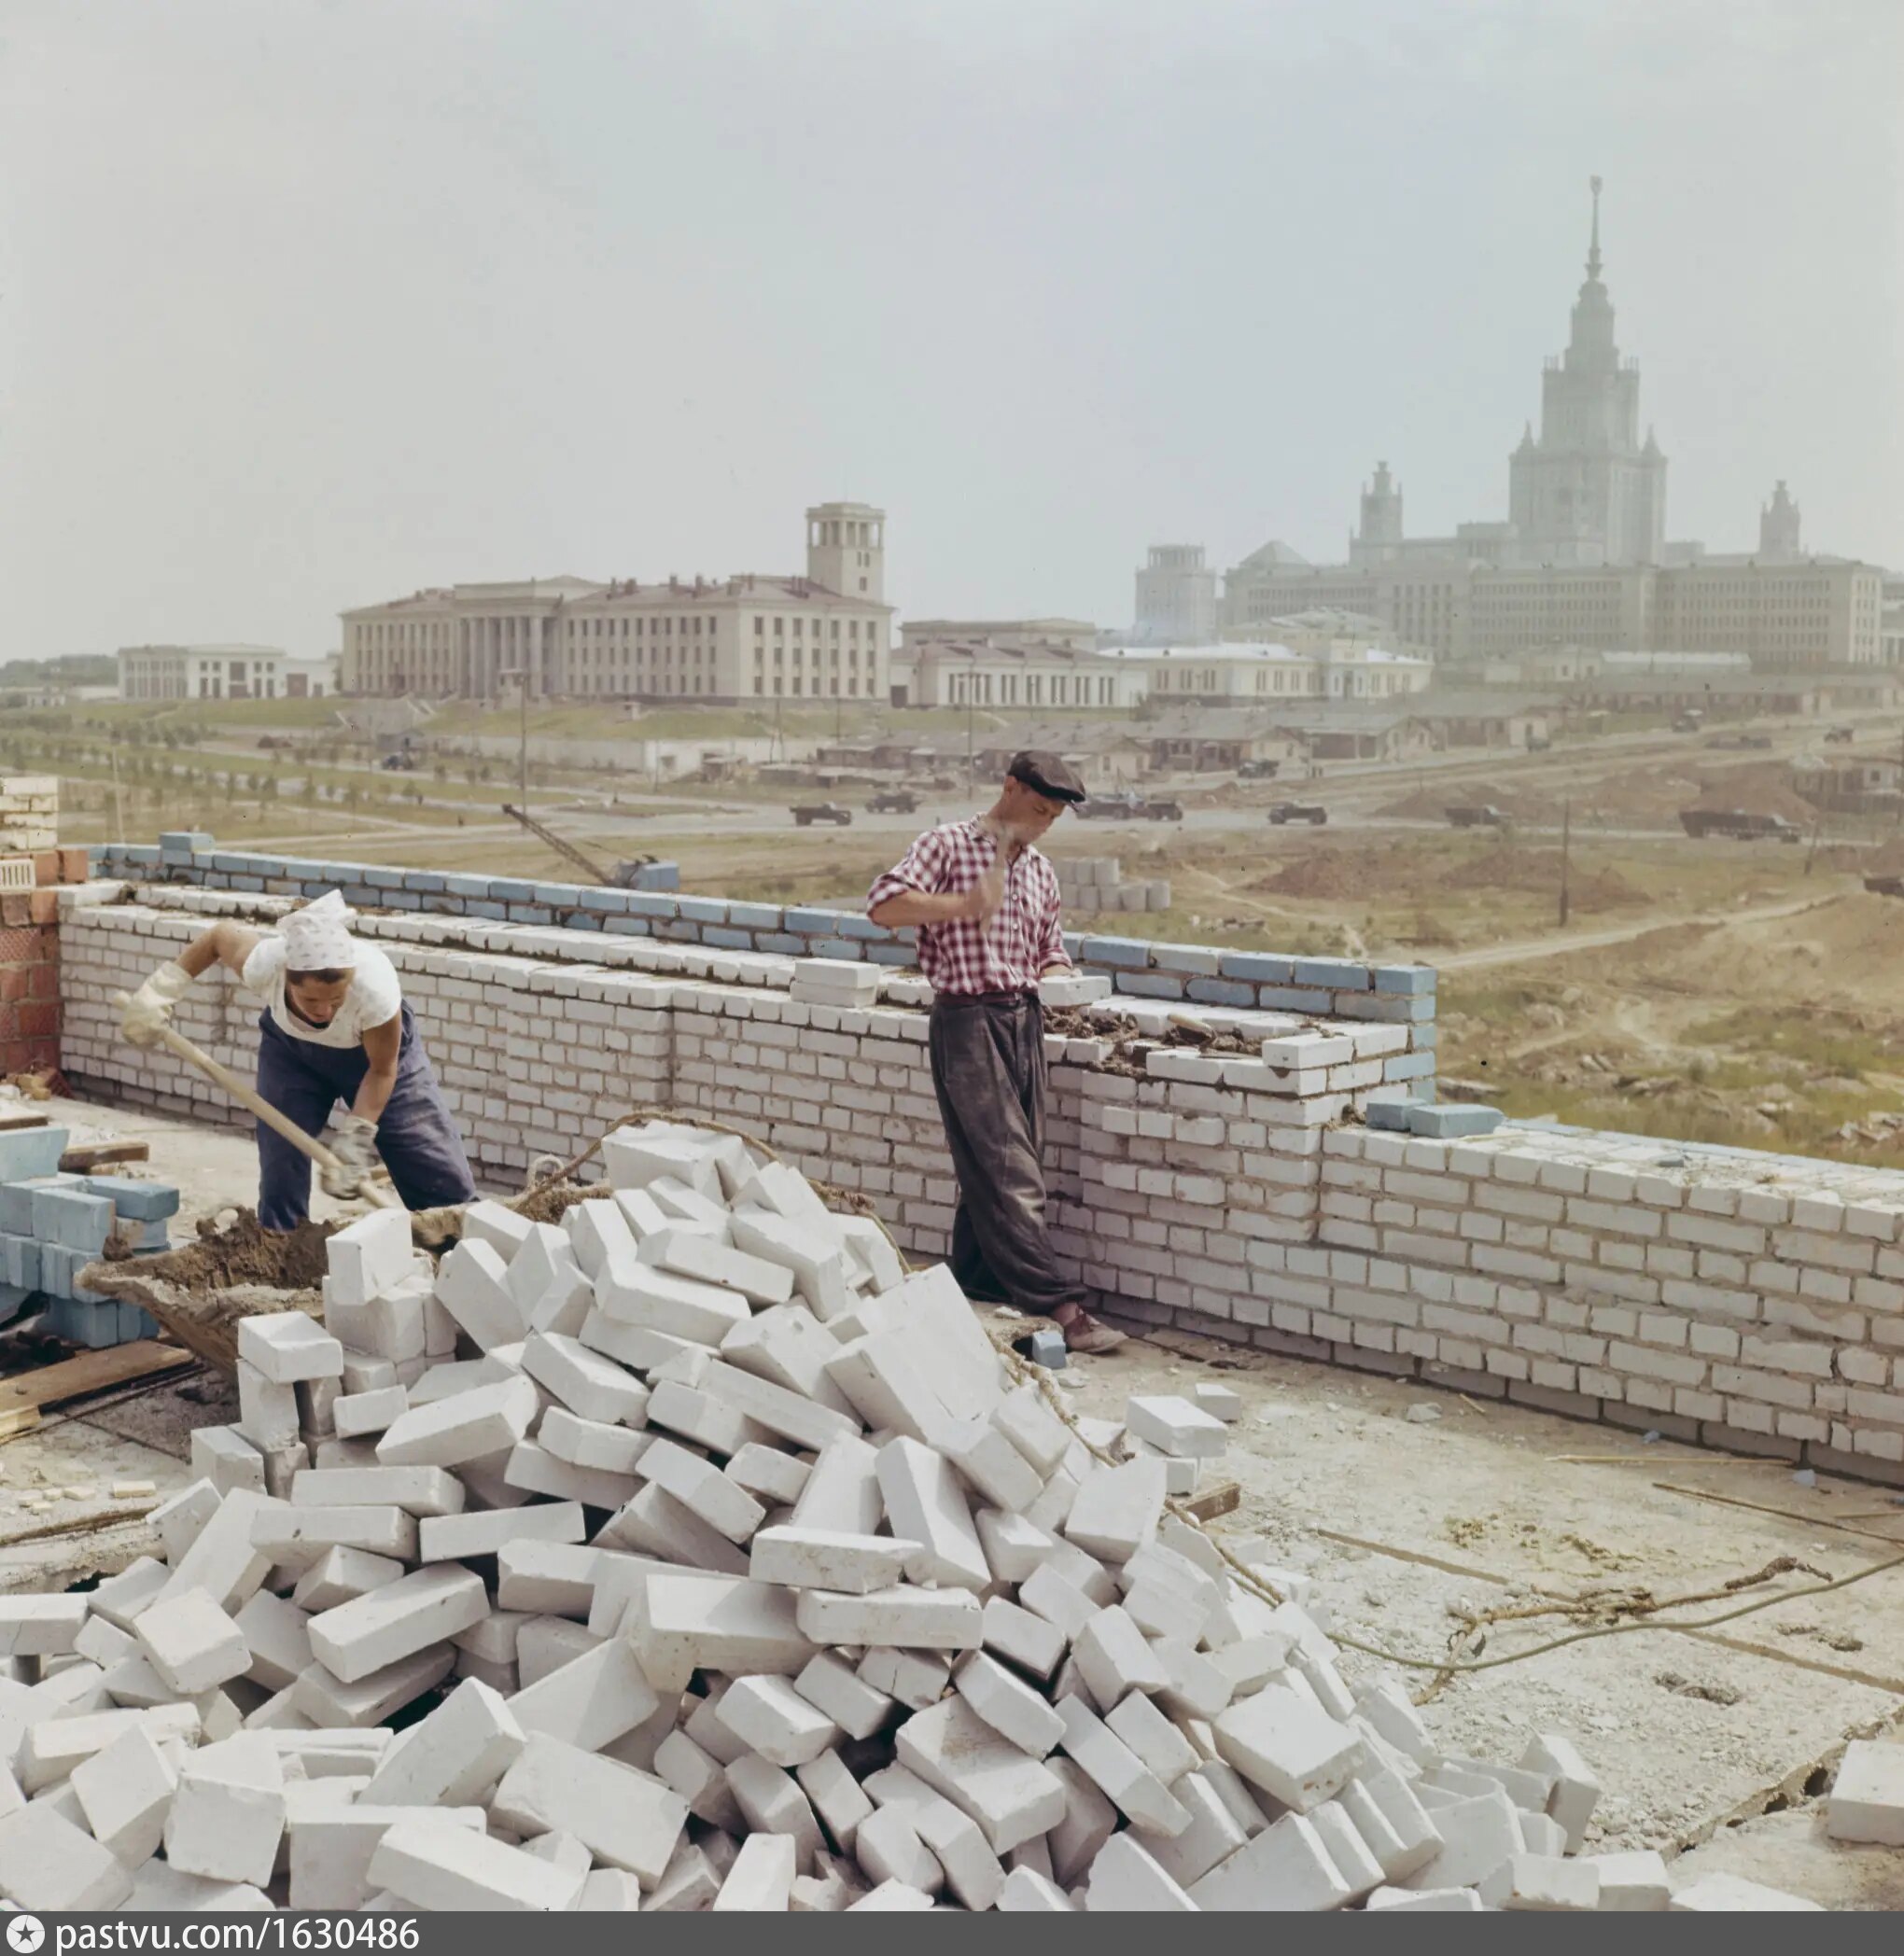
{"x":92,"y":1372}
{"x":10,"y":1122}
{"x":90,"y":1155}
{"x":1222,"y":1498}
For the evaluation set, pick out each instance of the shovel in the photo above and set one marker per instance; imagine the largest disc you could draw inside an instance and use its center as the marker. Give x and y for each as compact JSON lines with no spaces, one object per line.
{"x":176,"y":1043}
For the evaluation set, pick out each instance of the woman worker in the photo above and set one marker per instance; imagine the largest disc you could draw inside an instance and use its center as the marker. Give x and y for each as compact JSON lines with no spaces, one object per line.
{"x":335,"y":1027}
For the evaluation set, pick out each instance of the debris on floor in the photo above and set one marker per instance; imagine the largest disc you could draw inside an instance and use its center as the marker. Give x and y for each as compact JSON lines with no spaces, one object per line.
{"x":709,"y":1558}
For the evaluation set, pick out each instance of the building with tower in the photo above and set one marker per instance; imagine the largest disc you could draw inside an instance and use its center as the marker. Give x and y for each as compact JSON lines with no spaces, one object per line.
{"x":1176,"y":597}
{"x":1582,"y":559}
{"x":823,"y":635}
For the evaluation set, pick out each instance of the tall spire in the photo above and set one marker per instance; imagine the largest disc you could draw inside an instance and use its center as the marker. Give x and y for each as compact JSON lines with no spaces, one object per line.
{"x":1594,"y":250}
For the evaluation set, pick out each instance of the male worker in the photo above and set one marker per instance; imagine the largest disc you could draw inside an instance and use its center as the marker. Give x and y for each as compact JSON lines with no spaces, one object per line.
{"x":335,"y":1027}
{"x":986,"y":905}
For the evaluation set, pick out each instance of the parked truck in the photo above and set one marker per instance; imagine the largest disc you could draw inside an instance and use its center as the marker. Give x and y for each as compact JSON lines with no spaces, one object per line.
{"x":806,"y":814}
{"x":1479,"y":815}
{"x":1738,"y":825}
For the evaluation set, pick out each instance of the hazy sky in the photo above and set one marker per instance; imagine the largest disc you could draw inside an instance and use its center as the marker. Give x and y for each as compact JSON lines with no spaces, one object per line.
{"x":305,"y":306}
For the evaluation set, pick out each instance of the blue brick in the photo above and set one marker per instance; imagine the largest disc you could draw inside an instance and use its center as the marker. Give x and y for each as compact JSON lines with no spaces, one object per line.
{"x":1150,"y":985}
{"x":1387,"y":1007}
{"x":530,"y":914}
{"x":677,"y":930}
{"x":1073,"y":943}
{"x":1283,"y":998}
{"x":14,"y":1299}
{"x":1391,"y":1115}
{"x":1407,"y":1066}
{"x":754,"y":917}
{"x":255,"y":885}
{"x":659,"y":875}
{"x":1341,"y":975}
{"x":174,"y":844}
{"x":579,"y":920}
{"x":850,"y":923}
{"x":1405,"y":978}
{"x":72,"y":1217}
{"x":1258,"y":967}
{"x":559,"y":896}
{"x":31,"y":1151}
{"x":481,"y":907}
{"x":1424,"y":1038}
{"x":383,"y":879}
{"x":779,"y":944}
{"x":459,"y":883}
{"x":608,"y":901}
{"x":720,"y":937}
{"x":628,"y":925}
{"x":20,"y":1260}
{"x":890,"y":954}
{"x":1446,"y":1124}
{"x":135,"y":1201}
{"x":645,"y":904}
{"x":1221,"y":991}
{"x":1121,"y":953}
{"x":503,"y":890}
{"x":837,"y":947}
{"x":810,"y":923}
{"x":146,"y":1238}
{"x":703,"y":910}
{"x":360,"y":895}
{"x":1198,"y":960}
{"x":427,"y":882}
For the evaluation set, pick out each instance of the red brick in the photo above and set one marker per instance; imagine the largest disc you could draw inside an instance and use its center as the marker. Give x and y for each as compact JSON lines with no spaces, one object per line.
{"x":16,"y":982}
{"x":74,"y":865}
{"x":29,"y":1055}
{"x":39,"y":1018}
{"x":43,"y":906}
{"x":42,"y":981}
{"x":15,"y":910}
{"x":46,"y":866}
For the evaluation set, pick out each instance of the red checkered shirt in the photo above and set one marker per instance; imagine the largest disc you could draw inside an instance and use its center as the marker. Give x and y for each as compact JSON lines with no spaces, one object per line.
{"x":1008,"y":952}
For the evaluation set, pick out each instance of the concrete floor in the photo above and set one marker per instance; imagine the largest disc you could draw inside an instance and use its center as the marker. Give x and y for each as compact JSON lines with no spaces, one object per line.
{"x":1400,"y":1522}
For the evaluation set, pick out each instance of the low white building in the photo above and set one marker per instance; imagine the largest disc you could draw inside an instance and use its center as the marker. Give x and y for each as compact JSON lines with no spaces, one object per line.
{"x":1247,"y":675}
{"x":223,"y":672}
{"x":983,"y":672}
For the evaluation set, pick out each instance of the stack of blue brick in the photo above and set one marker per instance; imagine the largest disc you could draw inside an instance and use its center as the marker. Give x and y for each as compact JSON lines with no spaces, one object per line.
{"x":52,"y":1224}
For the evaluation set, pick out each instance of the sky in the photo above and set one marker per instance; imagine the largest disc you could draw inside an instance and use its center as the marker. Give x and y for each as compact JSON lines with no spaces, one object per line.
{"x":310,"y":303}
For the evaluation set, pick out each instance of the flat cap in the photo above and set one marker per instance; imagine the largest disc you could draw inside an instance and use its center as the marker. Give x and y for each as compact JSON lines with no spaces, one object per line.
{"x":1048,"y":775}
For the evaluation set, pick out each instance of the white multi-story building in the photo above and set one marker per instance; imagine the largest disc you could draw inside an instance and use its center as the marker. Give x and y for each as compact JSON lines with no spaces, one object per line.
{"x":1176,"y":597}
{"x":821,"y":636}
{"x":223,"y":672}
{"x":1583,"y":558}
{"x":1077,"y":634}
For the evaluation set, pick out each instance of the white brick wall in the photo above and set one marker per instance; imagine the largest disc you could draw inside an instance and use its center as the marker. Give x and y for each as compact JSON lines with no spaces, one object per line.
{"x":1749,"y":1300}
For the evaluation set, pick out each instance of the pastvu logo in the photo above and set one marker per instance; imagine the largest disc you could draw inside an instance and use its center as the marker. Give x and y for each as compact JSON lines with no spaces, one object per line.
{"x":25,"y":1934}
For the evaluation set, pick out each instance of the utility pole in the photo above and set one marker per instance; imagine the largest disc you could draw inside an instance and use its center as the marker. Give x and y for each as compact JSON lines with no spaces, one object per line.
{"x":1567,"y":851}
{"x":971,"y":769}
{"x":119,"y":806}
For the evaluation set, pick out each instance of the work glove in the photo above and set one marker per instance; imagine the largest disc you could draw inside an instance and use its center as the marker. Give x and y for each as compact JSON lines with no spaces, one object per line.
{"x":148,"y":1012}
{"x":353,"y":1141}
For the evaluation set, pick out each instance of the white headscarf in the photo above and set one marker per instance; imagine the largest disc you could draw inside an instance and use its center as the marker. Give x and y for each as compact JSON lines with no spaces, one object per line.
{"x":317,"y":937}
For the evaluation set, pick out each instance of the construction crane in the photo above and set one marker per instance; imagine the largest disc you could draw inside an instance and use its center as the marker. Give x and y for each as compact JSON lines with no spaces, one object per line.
{"x":624,"y":875}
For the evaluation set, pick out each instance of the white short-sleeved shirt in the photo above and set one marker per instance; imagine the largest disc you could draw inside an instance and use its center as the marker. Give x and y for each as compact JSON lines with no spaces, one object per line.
{"x":374,"y":999}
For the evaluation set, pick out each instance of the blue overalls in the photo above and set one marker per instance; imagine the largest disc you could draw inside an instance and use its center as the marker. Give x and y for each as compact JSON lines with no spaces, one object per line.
{"x":416,"y":1136}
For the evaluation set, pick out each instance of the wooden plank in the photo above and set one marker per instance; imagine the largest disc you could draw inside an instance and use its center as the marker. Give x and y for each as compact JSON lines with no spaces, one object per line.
{"x":11,"y":1122}
{"x":1222,"y":1498}
{"x":90,"y":1155}
{"x":92,"y":1372}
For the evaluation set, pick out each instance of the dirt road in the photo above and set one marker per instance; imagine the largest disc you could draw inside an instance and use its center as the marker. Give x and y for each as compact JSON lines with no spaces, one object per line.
{"x":1530,"y":949}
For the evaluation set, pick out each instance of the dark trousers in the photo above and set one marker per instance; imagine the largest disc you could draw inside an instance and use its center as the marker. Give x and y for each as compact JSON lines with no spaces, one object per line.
{"x":989,"y":1069}
{"x":417,"y":1136}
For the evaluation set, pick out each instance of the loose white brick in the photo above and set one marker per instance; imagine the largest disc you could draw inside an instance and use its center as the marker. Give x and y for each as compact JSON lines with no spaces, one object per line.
{"x":126,"y":1791}
{"x":1013,"y":1798}
{"x":229,"y":1815}
{"x":770,"y":1717}
{"x":355,"y":1414}
{"x":488,"y":1421}
{"x":925,"y":1504}
{"x":396,"y":1621}
{"x":286,"y":1347}
{"x":914,"y":1618}
{"x":1126,"y":1878}
{"x":472,"y":1285}
{"x":1113,"y":1658}
{"x":1542,"y":1882}
{"x":40,"y":1625}
{"x":1634,"y":1882}
{"x":592,"y":1701}
{"x":434,"y":1866}
{"x":823,"y":1558}
{"x":452,"y":1756}
{"x":1008,"y":1705}
{"x":1285,"y":1868}
{"x":1174,"y":1426}
{"x":341,"y":1573}
{"x":1288,"y":1746}
{"x":679,"y":1624}
{"x":1118,"y":1509}
{"x":585,"y":1381}
{"x":1867,"y":1798}
{"x":625,"y":1818}
{"x":701,"y":1488}
{"x":454,"y":1538}
{"x":760,"y":1881}
{"x":1123,"y":1778}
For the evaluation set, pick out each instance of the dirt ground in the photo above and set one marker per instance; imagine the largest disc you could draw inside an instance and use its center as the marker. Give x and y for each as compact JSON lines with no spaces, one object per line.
{"x":1407,"y":1508}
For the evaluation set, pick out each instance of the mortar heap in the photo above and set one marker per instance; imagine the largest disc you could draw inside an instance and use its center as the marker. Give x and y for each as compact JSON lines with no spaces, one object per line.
{"x":710,"y":1559}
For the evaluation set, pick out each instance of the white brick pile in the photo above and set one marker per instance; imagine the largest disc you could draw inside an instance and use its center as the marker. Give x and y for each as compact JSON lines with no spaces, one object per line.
{"x":1092,"y":884}
{"x":714,"y":1561}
